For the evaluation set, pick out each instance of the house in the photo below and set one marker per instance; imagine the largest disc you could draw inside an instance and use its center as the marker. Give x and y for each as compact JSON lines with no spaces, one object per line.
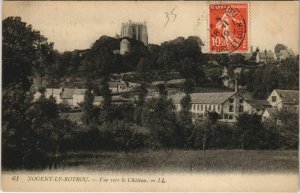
{"x":117,"y":86}
{"x":98,"y":100}
{"x":270,"y":114}
{"x":67,"y":96}
{"x":133,"y":85}
{"x":173,"y":91}
{"x":156,"y":83}
{"x":226,"y":79}
{"x":119,"y":100}
{"x":265,"y":57}
{"x":227,"y":104}
{"x":258,"y":106}
{"x":152,"y":94}
{"x":54,"y":92}
{"x":284,"y":54}
{"x":175,"y":82}
{"x":116,"y":100}
{"x":78,"y":96}
{"x":285,"y":99}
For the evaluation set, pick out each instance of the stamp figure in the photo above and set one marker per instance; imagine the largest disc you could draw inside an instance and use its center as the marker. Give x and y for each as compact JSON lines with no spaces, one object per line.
{"x":228,"y":23}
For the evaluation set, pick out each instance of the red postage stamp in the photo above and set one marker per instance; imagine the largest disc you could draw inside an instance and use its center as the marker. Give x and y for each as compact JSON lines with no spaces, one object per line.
{"x":228,"y":27}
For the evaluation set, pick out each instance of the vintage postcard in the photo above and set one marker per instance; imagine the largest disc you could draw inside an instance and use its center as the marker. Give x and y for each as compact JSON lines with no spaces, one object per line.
{"x":150,"y":96}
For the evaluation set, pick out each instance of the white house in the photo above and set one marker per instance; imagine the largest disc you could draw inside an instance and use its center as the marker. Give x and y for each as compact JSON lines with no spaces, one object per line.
{"x":269,"y":113}
{"x":281,"y":100}
{"x":284,"y":99}
{"x":55,"y":92}
{"x":264,"y":57}
{"x":227,"y":104}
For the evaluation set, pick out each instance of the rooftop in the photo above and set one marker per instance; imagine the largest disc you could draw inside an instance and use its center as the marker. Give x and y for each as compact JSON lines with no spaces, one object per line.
{"x":266,"y":55}
{"x":51,"y":91}
{"x":205,"y":98}
{"x":288,"y":96}
{"x":79,"y":91}
{"x":259,"y":104}
{"x":176,"y":81}
{"x":67,"y":93}
{"x":272,"y":111}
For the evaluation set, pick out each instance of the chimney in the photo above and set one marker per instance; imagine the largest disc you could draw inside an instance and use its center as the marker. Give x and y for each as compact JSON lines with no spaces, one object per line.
{"x":235,"y":85}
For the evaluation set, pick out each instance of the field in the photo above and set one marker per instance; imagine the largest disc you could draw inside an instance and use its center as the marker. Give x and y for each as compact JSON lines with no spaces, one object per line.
{"x":184,"y":161}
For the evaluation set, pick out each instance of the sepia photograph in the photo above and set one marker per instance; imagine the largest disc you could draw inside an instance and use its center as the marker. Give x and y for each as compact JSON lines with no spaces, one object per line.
{"x":153,"y":96}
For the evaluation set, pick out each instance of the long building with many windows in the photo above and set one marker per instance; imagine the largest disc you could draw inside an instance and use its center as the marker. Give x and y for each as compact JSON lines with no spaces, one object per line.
{"x":227,"y":104}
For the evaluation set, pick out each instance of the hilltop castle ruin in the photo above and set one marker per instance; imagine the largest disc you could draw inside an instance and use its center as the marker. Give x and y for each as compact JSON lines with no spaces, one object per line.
{"x":134,"y":30}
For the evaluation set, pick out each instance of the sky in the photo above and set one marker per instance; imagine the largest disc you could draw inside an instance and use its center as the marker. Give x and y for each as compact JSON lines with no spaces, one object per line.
{"x":77,"y":24}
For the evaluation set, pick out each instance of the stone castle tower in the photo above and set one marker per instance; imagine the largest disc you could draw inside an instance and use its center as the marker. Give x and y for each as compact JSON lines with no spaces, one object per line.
{"x":136,"y":31}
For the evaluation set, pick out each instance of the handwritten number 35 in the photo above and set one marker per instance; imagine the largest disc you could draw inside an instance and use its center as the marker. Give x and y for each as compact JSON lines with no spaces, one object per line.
{"x":170,"y":15}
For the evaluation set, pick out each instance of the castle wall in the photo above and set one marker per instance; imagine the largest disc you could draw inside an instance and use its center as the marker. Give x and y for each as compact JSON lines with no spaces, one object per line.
{"x":125,"y":47}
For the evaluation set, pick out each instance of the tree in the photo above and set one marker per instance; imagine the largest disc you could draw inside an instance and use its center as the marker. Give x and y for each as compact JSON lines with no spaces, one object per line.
{"x":289,"y":70}
{"x":153,"y":55}
{"x":202,"y":130}
{"x":188,"y":86}
{"x":266,"y":80}
{"x":142,"y":68}
{"x":23,"y":49}
{"x":162,"y":91}
{"x":222,"y":59}
{"x":159,"y":115}
{"x":279,"y":47}
{"x":117,"y":135}
{"x":45,"y":59}
{"x":100,"y":60}
{"x":192,"y":70}
{"x":15,"y":128}
{"x":173,"y":54}
{"x":185,"y":119}
{"x":237,"y":59}
{"x":106,"y":93}
{"x":251,"y":131}
{"x":89,"y":116}
{"x":246,"y":78}
{"x":142,"y":92}
{"x":257,"y":50}
{"x":288,"y":128}
{"x":47,"y":133}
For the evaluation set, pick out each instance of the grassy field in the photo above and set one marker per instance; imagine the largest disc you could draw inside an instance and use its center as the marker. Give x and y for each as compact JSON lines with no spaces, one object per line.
{"x":184,"y":160}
